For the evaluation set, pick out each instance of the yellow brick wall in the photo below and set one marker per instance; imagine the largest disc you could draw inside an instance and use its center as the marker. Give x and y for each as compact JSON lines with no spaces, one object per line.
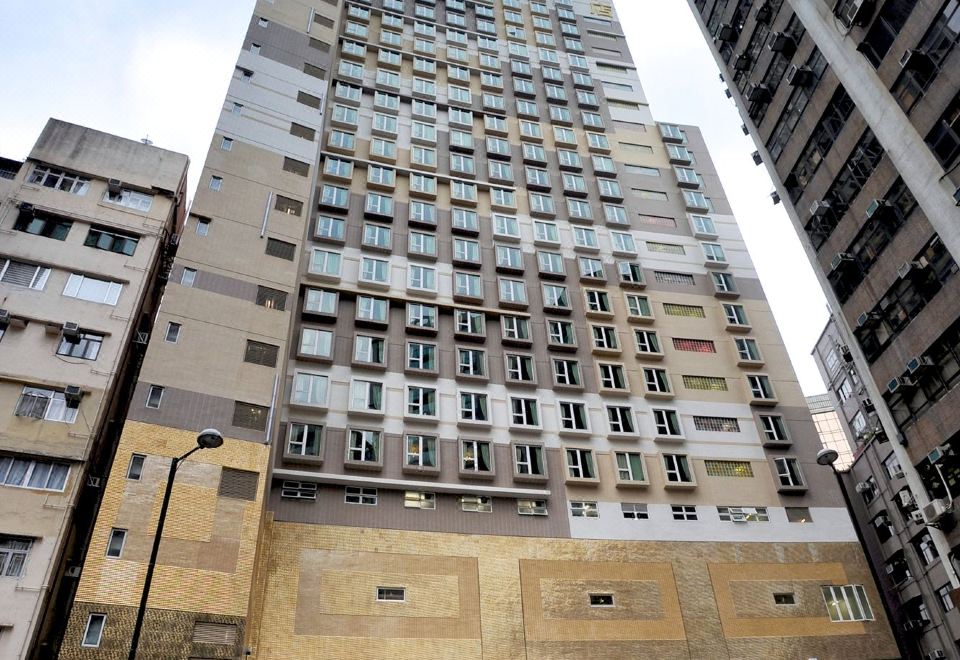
{"x":209,"y":542}
{"x":508,"y":597}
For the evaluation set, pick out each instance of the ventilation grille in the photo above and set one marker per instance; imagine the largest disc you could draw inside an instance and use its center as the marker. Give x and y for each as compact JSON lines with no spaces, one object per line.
{"x":238,"y":484}
{"x":214,"y":633}
{"x":250,"y":416}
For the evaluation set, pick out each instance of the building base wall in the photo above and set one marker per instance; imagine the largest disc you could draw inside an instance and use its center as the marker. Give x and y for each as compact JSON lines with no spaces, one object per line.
{"x":470,"y":596}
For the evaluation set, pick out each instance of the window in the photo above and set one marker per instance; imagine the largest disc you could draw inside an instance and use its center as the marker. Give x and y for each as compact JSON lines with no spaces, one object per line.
{"x":421,"y":316}
{"x":304,"y":439}
{"x":612,"y":377}
{"x":847,"y":603}
{"x":747,"y":349}
{"x":524,"y":412}
{"x":788,"y":472}
{"x":532,"y":507}
{"x":684,"y":512}
{"x":798,"y":514}
{"x":366,"y":396}
{"x":529,"y":460}
{"x":375,"y":271}
{"x":555,"y":295}
{"x":363,"y":446}
{"x":421,"y":356}
{"x":421,"y":401}
{"x":49,"y":177}
{"x":49,"y":405}
{"x":943,"y":595}
{"x":735,"y":315}
{"x":421,"y":451}
{"x":656,"y":381}
{"x":639,"y":306}
{"x":580,"y":464}
{"x":188,"y":276}
{"x":573,"y":416}
{"x":647,"y":341}
{"x":630,"y":466}
{"x":93,"y":632}
{"x":85,"y":347}
{"x":154,"y":396}
{"x":761,"y":388}
{"x":476,"y":503}
{"x":118,"y":538}
{"x":473,"y":407}
{"x":677,"y":469}
{"x":43,"y":225}
{"x":369,"y":350}
{"x":471,"y":362}
{"x":584,"y":510}
{"x":216,"y":183}
{"x":13,"y":554}
{"x":355,"y":495}
{"x":422,"y":278}
{"x":134,"y":468}
{"x":515,"y":328}
{"x":590,"y":268}
{"x":29,"y":473}
{"x":476,"y":456}
{"x":561,"y":333}
{"x":309,"y":389}
{"x":377,"y":236}
{"x":325,"y":262}
{"x":467,"y":322}
{"x":320,"y":301}
{"x":467,"y":284}
{"x":598,"y":301}
{"x":413,"y":499}
{"x":92,"y":289}
{"x":512,"y":291}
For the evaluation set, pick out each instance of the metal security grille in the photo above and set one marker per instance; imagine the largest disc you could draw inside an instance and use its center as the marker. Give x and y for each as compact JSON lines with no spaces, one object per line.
{"x":674,"y":278}
{"x":271,"y":298}
{"x":728,"y":468}
{"x":288,"y":206}
{"x":301,"y":131}
{"x":250,"y":416}
{"x":281,"y":249}
{"x":666,"y":248}
{"x":692,"y":311}
{"x":238,"y":484}
{"x":694,"y":345}
{"x":716,"y":424}
{"x":214,"y":633}
{"x":260,"y":353}
{"x":295,"y":166}
{"x":710,"y":383}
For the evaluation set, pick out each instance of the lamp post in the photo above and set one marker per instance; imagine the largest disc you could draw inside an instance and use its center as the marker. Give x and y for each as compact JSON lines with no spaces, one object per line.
{"x":208,"y":439}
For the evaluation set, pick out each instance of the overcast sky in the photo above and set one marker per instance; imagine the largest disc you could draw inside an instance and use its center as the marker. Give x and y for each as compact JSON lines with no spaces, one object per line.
{"x":139,"y":69}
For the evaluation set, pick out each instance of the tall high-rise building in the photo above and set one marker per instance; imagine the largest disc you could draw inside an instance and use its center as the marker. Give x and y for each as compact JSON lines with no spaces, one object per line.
{"x":496,"y":375}
{"x":855,"y":107}
{"x":85,"y":227}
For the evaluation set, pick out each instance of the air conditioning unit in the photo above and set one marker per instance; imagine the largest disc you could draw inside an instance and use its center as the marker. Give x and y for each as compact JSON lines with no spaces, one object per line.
{"x":910,"y":625}
{"x":935,"y":510}
{"x":783,"y":43}
{"x":799,"y":76}
{"x":759,"y":93}
{"x":93,"y":482}
{"x":775,"y":197}
{"x":936,"y":654}
{"x":727,"y":32}
{"x":820,"y":208}
{"x":72,"y":572}
{"x":742,"y":62}
{"x":757,"y":158}
{"x":858,"y":12}
{"x":845,"y":353}
{"x":72,"y":394}
{"x":918,"y":363}
{"x":746,"y":131}
{"x":910,"y":269}
{"x":937,"y":453}
{"x":868,"y":405}
{"x":862,"y":487}
{"x":728,"y":93}
{"x":906,"y":499}
{"x":114,"y":186}
{"x":875,"y":206}
{"x":841,"y":260}
{"x":897,"y":475}
{"x":917,"y":516}
{"x":915,"y":59}
{"x":868,"y":319}
{"x":71,"y":331}
{"x":899,"y":383}
{"x":764,"y":13}
{"x":4,"y":319}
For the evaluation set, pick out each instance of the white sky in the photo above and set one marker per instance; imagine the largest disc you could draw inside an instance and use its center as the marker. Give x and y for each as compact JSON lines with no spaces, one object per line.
{"x":137,"y":69}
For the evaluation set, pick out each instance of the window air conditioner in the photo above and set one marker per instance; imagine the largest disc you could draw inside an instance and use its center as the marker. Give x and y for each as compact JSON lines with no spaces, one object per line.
{"x":72,"y":572}
{"x":819,"y":208}
{"x":875,"y":206}
{"x":783,"y":43}
{"x":899,"y":383}
{"x":917,"y":516}
{"x":759,"y":93}
{"x":918,"y":363}
{"x":4,"y":319}
{"x":868,"y":405}
{"x":799,"y":76}
{"x":915,"y":59}
{"x":906,"y":499}
{"x":114,"y":186}
{"x":936,"y":654}
{"x":868,"y":320}
{"x":742,"y":63}
{"x":862,"y":487}
{"x":841,"y":260}
{"x":71,"y":331}
{"x":727,"y":32}
{"x":72,"y":394}
{"x":845,"y":353}
{"x":858,"y":13}
{"x":911,"y":269}
{"x":764,"y":13}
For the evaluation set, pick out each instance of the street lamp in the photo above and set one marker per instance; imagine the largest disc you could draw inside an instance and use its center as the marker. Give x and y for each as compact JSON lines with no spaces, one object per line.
{"x":208,"y":439}
{"x":827,"y":456}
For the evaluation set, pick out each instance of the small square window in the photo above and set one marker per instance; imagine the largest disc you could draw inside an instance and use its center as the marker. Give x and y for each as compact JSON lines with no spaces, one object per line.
{"x":135,"y":468}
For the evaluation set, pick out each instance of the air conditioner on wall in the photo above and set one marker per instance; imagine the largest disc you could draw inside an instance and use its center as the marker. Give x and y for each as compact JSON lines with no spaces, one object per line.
{"x":820,"y":208}
{"x":918,"y":363}
{"x":935,"y":510}
{"x":862,"y":487}
{"x":799,"y":76}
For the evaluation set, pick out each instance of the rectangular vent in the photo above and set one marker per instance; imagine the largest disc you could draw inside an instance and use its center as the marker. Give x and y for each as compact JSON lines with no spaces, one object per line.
{"x":259,"y":353}
{"x":205,"y":632}
{"x":250,"y":416}
{"x":238,"y":484}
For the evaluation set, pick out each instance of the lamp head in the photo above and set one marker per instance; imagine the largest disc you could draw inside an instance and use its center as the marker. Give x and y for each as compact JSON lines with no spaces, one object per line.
{"x":827,"y":456}
{"x":209,"y":439}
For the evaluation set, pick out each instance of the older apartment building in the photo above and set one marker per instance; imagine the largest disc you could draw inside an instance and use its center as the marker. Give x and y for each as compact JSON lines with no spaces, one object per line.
{"x":85,"y":224}
{"x":855,"y":108}
{"x":496,"y":375}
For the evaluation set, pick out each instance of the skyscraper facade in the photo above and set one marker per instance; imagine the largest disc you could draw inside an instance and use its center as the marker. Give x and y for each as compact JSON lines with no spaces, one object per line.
{"x":85,"y":227}
{"x":855,"y":109}
{"x":496,"y":375}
